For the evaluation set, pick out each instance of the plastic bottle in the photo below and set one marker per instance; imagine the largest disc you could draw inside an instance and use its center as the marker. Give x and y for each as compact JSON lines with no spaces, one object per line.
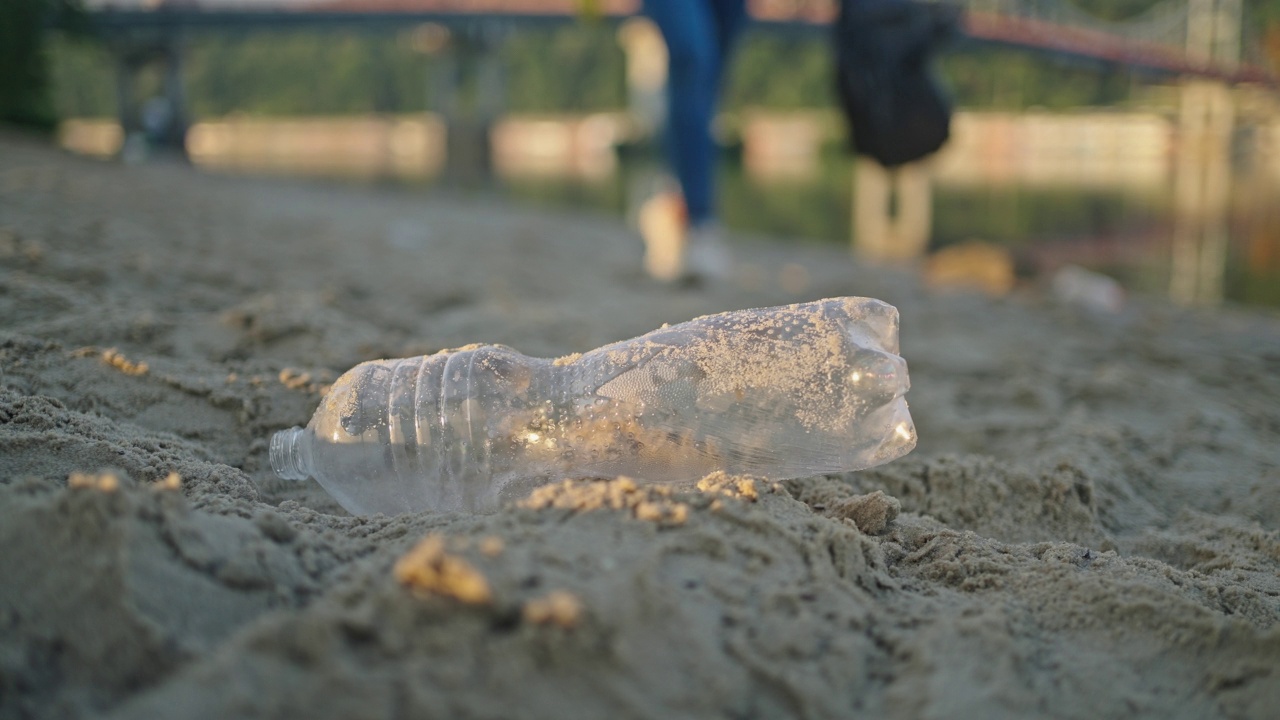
{"x":775,"y":392}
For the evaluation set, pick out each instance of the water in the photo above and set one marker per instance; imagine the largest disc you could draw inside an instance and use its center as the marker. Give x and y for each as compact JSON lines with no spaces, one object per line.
{"x":1091,"y":189}
{"x":1122,"y":232}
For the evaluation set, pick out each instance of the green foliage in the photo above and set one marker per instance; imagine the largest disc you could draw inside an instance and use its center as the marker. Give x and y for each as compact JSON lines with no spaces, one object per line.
{"x":572,"y":69}
{"x":1261,"y":12}
{"x":1006,"y":79}
{"x":576,"y":68}
{"x":817,"y":208}
{"x":25,"y":97}
{"x":781,"y":72}
{"x":297,"y":73}
{"x":82,"y":80}
{"x":1115,"y":9}
{"x":1254,"y":288}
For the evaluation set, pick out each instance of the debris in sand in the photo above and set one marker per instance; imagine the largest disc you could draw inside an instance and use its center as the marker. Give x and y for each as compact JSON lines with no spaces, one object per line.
{"x":428,"y":570}
{"x":294,"y":379}
{"x":117,"y":360}
{"x":652,"y":503}
{"x":13,"y":245}
{"x":558,"y":607}
{"x":784,"y":391}
{"x":105,"y":482}
{"x":737,"y":486}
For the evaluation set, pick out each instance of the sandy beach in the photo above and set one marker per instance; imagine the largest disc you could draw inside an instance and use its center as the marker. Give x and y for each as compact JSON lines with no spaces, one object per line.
{"x":1089,"y":527}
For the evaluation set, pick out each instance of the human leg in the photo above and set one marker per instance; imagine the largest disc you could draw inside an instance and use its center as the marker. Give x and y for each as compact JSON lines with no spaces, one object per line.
{"x":730,"y":20}
{"x":708,"y":254}
{"x":690,"y":31}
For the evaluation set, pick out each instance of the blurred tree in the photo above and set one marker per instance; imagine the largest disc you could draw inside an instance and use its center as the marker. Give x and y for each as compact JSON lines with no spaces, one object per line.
{"x":1115,"y":9}
{"x":575,"y":68}
{"x":25,"y":90}
{"x":781,"y":72}
{"x":304,"y":73}
{"x":81,"y":78}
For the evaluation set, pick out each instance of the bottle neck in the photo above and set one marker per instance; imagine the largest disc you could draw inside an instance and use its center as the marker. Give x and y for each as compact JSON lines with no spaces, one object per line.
{"x":289,"y":457}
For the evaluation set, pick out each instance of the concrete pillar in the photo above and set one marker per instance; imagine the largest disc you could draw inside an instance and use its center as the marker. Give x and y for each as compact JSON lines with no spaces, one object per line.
{"x":1202,"y":177}
{"x":174,"y":136}
{"x":443,"y":98}
{"x":1202,"y":188}
{"x":469,"y":120}
{"x":126,"y":104}
{"x":158,"y":124}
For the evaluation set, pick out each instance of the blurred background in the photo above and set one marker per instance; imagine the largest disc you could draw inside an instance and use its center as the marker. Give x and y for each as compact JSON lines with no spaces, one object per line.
{"x":1138,"y":139}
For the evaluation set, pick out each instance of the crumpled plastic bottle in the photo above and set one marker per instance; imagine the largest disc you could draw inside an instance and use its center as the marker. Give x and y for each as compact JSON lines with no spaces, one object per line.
{"x":776,"y":393}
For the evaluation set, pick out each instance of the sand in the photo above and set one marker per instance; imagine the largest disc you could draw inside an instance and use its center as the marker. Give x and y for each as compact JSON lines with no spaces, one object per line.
{"x":1090,"y":526}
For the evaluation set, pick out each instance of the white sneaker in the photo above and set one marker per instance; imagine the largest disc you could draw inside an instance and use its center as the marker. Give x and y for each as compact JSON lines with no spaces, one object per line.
{"x":707,"y":255}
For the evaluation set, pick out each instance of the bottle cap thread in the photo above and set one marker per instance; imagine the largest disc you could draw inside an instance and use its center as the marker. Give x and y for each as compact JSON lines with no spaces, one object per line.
{"x":286,"y":457}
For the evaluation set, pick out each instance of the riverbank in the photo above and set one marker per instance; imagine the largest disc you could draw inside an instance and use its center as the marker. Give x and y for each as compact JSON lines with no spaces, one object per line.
{"x":1090,"y":526}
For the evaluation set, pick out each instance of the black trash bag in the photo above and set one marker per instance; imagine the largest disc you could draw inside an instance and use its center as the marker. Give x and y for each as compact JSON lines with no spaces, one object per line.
{"x":896,"y":108}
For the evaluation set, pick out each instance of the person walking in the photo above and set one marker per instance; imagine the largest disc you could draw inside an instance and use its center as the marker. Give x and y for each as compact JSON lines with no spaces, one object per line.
{"x":682,"y":233}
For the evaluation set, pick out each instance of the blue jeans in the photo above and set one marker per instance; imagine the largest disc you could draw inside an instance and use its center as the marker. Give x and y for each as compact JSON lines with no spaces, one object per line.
{"x":699,"y":35}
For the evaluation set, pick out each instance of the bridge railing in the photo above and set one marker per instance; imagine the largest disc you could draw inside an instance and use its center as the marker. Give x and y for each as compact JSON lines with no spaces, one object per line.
{"x":1156,"y":39}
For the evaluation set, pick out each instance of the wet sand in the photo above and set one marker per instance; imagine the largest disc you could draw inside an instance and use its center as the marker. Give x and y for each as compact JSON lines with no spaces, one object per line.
{"x":1090,"y":526}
